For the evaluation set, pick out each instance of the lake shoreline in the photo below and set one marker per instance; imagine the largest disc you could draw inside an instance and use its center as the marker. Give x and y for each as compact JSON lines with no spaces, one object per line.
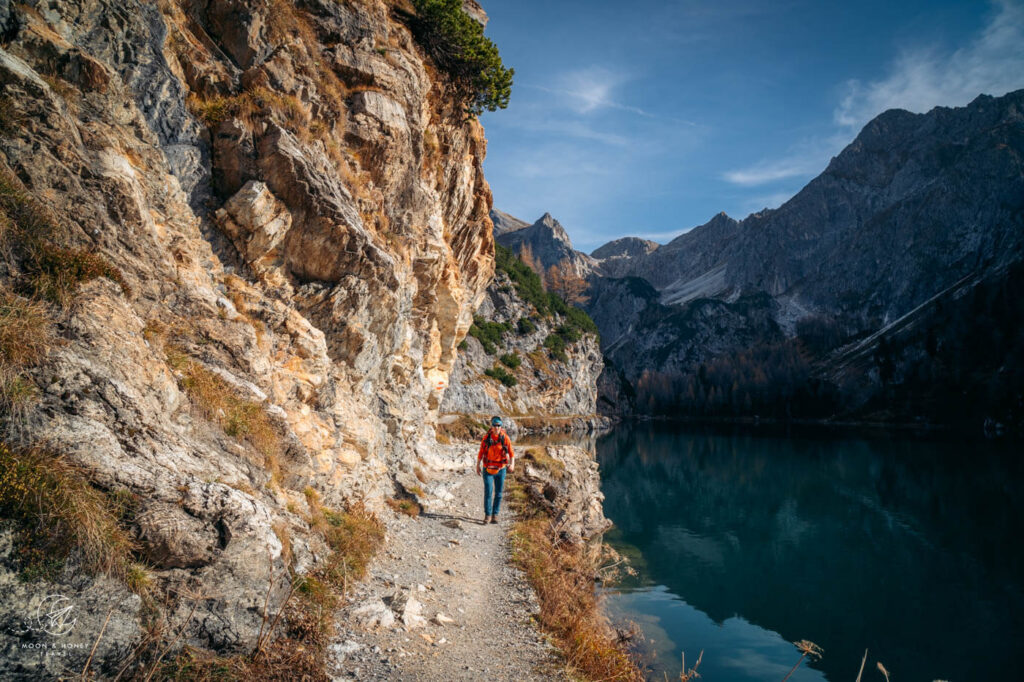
{"x":862,"y":428}
{"x":746,"y":538}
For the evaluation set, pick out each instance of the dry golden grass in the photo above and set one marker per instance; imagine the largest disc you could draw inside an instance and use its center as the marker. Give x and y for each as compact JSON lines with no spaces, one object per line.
{"x":56,"y":271}
{"x":216,"y":400}
{"x":539,"y":456}
{"x":299,"y":652}
{"x":30,"y":236}
{"x":404,"y":506}
{"x":26,"y":333}
{"x":66,"y":91}
{"x":562,"y":576}
{"x":464,"y":428}
{"x":58,"y":513}
{"x":11,"y":118}
{"x":285,"y":538}
{"x":689,"y":674}
{"x":249,"y":106}
{"x":806,"y":648}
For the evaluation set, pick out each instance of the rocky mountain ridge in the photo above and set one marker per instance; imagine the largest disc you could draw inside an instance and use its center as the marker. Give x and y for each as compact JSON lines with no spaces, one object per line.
{"x":915,"y":206}
{"x":940,"y":187}
{"x":545,"y":243}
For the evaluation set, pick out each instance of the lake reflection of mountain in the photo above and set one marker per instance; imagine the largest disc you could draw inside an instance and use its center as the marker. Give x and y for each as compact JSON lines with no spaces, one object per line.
{"x":908,"y":548}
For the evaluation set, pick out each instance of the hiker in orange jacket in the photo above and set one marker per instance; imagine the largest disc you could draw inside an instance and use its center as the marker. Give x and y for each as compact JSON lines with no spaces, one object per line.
{"x":496,"y":455}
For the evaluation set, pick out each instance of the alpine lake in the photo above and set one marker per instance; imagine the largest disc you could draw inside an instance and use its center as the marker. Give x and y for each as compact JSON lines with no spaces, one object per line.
{"x":745,"y":540}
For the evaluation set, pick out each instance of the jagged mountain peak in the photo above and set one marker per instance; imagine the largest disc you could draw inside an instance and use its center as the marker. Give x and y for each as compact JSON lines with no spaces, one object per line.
{"x":546,"y":241}
{"x":506,"y":222}
{"x":719,"y":223}
{"x":625,"y":247}
{"x":548,"y":224}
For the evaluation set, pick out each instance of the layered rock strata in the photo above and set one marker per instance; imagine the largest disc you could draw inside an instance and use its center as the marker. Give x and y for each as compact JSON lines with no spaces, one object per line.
{"x":300,"y":218}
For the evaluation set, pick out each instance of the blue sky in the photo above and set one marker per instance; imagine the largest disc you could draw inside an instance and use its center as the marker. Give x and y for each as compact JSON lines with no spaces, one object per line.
{"x":648,"y":117}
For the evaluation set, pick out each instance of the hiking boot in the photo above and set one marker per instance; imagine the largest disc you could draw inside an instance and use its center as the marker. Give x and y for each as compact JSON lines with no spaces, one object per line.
{"x":494,"y":519}
{"x":487,"y":519}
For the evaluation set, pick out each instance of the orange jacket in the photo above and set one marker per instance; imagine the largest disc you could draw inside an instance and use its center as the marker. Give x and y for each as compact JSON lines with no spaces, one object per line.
{"x":495,"y":450}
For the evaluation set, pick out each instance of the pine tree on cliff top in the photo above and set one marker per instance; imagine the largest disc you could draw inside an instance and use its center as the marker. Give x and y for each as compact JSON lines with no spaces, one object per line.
{"x":457,"y":43}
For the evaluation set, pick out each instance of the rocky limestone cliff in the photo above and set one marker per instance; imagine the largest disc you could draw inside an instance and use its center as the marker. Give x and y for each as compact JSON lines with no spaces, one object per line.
{"x":549,"y":391}
{"x":299,"y":217}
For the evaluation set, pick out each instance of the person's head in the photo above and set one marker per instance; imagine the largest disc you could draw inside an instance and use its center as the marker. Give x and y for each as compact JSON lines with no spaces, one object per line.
{"x":495,"y":422}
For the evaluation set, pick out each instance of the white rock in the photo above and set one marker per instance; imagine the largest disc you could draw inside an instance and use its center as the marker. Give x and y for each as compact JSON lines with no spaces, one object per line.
{"x":374,"y":614}
{"x":409,"y":610}
{"x":441,"y":619}
{"x":341,"y":650}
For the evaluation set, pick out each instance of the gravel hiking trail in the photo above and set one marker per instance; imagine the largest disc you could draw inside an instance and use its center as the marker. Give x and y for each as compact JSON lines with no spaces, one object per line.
{"x":442,"y":600}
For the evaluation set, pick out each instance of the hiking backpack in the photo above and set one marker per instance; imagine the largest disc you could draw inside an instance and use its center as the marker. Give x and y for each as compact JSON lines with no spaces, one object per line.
{"x":496,"y":437}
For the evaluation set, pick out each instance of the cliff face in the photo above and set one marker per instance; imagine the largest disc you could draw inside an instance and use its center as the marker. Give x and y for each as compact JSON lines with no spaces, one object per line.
{"x":300,"y":219}
{"x":546,"y":387}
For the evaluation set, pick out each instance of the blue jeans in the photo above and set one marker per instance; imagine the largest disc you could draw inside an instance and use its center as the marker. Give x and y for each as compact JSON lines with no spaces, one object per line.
{"x":495,"y":482}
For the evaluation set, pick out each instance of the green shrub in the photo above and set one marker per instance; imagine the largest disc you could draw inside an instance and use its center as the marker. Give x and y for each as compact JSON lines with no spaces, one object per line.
{"x":569,"y":333}
{"x":556,"y":304}
{"x":580,"y":320}
{"x":527,"y":283}
{"x":488,"y":333}
{"x":530,"y":288}
{"x":458,"y":45}
{"x":498,"y":372}
{"x":511,"y":360}
{"x":556,"y":347}
{"x":526,"y":326}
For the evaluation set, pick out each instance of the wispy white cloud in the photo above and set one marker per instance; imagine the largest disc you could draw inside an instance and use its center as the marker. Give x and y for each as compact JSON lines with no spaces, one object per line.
{"x":592,"y":89}
{"x":770,"y":171}
{"x":991,"y":63}
{"x":805,"y":159}
{"x":564,"y":127}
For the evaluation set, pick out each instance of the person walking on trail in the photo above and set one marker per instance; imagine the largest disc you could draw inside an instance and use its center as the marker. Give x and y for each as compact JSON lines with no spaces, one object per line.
{"x":495,"y":455}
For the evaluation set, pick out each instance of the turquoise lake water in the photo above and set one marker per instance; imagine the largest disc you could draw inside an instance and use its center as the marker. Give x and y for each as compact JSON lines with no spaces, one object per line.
{"x":744,"y":542}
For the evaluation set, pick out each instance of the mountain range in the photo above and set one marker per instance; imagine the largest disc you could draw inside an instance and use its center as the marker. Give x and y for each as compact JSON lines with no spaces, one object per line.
{"x":907,"y":225}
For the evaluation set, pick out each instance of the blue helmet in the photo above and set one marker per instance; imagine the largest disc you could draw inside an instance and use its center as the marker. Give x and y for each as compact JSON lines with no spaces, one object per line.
{"x":495,"y":421}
